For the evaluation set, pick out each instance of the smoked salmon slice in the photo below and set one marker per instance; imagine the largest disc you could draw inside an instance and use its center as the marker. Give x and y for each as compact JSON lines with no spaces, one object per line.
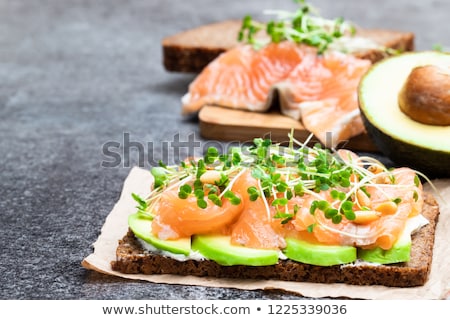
{"x":319,"y":90}
{"x":179,"y":218}
{"x":381,"y":232}
{"x":242,"y":78}
{"x":254,"y":228}
{"x":322,"y":92}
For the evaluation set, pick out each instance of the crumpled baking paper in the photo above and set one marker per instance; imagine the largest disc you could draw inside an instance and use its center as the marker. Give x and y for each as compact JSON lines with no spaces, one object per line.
{"x":140,"y":180}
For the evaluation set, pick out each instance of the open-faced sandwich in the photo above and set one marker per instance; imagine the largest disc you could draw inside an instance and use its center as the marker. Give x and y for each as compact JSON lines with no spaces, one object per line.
{"x":299,"y":64}
{"x":292,"y":212}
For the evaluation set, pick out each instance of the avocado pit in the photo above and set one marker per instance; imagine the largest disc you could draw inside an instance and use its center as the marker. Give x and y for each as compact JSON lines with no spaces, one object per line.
{"x":425,"y":96}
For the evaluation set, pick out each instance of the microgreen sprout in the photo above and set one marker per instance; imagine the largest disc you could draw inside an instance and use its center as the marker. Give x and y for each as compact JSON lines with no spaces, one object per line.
{"x":253,"y":193}
{"x":304,"y":25}
{"x":281,"y":173}
{"x":142,"y":206}
{"x":437,"y":47}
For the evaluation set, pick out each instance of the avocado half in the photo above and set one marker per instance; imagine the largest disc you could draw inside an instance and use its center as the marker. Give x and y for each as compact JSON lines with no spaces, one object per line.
{"x":425,"y":148}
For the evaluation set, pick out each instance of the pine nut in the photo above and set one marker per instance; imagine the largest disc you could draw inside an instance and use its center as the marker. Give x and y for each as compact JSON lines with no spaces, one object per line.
{"x":363,"y":199}
{"x":387,"y":207}
{"x":210,"y":176}
{"x":365,"y":216}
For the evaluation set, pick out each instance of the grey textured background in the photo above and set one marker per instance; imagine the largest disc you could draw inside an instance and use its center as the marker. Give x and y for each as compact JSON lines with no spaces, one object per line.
{"x":76,"y":74}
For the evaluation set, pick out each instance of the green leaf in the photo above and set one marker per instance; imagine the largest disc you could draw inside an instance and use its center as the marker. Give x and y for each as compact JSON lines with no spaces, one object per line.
{"x":199,"y":193}
{"x":330,"y":212}
{"x":212,"y":189}
{"x":235,"y":200}
{"x":280,"y":202}
{"x":286,"y":216}
{"x":324,"y":187}
{"x":299,"y":190}
{"x":258,"y":173}
{"x":212,"y":154}
{"x":183,"y":195}
{"x":162,"y":164}
{"x":437,"y":47}
{"x":202,"y":203}
{"x":236,"y":159}
{"x":289,"y":194}
{"x":198,"y":185}
{"x":201,"y":168}
{"x":186,"y":188}
{"x":334,"y":194}
{"x":253,"y":193}
{"x":223,"y":180}
{"x":160,"y":177}
{"x":347,"y":206}
{"x":215,"y":199}
{"x":350,"y":215}
{"x":278,"y":159}
{"x":281,"y":186}
{"x":310,"y":228}
{"x":416,"y":180}
{"x":337,"y":219}
{"x":142,"y":204}
{"x":364,"y":189}
{"x":415,"y":196}
{"x":345,"y":182}
{"x":185,"y":191}
{"x":313,"y":207}
{"x":322,"y":205}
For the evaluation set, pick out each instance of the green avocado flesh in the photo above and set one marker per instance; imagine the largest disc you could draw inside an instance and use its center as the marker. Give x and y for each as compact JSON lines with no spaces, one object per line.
{"x":142,"y":228}
{"x":407,"y":142}
{"x":220,"y":249}
{"x":318,"y":254}
{"x":400,"y":252}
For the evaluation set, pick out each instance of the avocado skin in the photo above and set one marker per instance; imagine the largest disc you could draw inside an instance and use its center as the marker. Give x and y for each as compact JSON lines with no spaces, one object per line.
{"x":432,"y":163}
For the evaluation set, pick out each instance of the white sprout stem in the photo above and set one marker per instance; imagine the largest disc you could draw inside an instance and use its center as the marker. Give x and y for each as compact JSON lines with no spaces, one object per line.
{"x":286,"y":208}
{"x":263,"y":196}
{"x":228,"y":187}
{"x":438,"y":193}
{"x":301,"y":144}
{"x":151,"y":199}
{"x":178,"y":183}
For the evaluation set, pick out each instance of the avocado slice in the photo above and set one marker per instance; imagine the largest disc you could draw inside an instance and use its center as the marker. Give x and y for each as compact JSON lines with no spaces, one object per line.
{"x":142,"y":228}
{"x":400,"y":252}
{"x":318,"y":254}
{"x":423,"y":147}
{"x":219,"y":249}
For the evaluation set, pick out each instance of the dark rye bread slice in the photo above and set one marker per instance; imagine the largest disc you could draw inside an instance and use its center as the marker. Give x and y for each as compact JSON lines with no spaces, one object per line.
{"x":192,"y":50}
{"x":132,"y":259}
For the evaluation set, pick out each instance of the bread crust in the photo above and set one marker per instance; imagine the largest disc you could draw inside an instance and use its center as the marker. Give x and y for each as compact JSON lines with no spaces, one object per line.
{"x":192,"y":50}
{"x":131,"y":258}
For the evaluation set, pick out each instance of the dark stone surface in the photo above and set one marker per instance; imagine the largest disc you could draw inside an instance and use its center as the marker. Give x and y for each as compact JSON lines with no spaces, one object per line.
{"x":75,"y":75}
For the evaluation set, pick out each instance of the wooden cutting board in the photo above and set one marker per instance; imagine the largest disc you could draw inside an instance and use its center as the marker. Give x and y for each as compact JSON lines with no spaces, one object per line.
{"x":226,"y":124}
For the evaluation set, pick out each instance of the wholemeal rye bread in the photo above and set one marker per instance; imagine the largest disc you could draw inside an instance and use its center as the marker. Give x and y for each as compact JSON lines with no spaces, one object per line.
{"x":131,"y":258}
{"x":192,"y":50}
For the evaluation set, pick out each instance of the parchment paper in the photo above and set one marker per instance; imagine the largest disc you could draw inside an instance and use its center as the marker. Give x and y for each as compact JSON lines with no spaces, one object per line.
{"x":139,"y":181}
